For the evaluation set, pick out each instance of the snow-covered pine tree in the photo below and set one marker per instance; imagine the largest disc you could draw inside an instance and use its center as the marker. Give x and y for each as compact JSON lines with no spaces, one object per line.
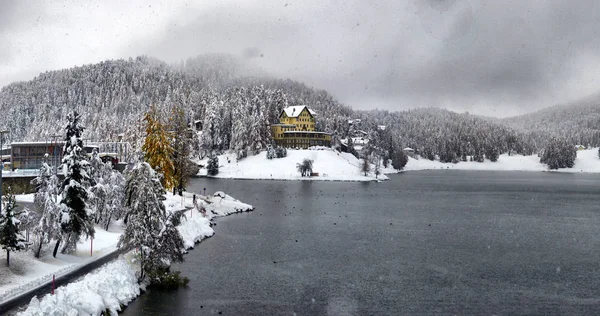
{"x":76,"y":217}
{"x":182,"y":138}
{"x":365,"y":165}
{"x":158,"y":149}
{"x":149,"y":228}
{"x":212,"y":167}
{"x":559,"y":154}
{"x":399,"y":159}
{"x":115,"y":185}
{"x":41,"y":183}
{"x":270,"y":152}
{"x":212,"y":128}
{"x":377,"y":165}
{"x":10,"y":235}
{"x":351,"y":149}
{"x":48,"y":225}
{"x":98,"y":192}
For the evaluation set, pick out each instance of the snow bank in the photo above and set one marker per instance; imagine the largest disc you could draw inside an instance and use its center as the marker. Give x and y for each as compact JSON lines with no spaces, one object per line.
{"x":195,"y":226}
{"x":115,"y":283}
{"x":331,"y":166}
{"x":586,"y":161}
{"x":103,"y":289}
{"x":26,"y":272}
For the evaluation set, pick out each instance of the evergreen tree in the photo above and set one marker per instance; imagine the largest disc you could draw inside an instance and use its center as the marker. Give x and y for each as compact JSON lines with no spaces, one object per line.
{"x":76,"y":216}
{"x":46,"y":205}
{"x":212,"y":134}
{"x":399,"y":160}
{"x":213,"y":166}
{"x":149,"y":228}
{"x":365,"y":166}
{"x":182,"y":137}
{"x":158,"y":151}
{"x":270,"y":152}
{"x":559,"y":154}
{"x":351,"y":149}
{"x":115,"y":195}
{"x":10,"y":235}
{"x":377,"y":165}
{"x":492,"y":154}
{"x":98,"y":196}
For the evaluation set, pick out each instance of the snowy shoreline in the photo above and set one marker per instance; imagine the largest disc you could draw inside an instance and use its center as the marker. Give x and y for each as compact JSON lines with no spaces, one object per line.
{"x":587,"y":161}
{"x":329,"y":164}
{"x":345,"y":167}
{"x":114,"y":284}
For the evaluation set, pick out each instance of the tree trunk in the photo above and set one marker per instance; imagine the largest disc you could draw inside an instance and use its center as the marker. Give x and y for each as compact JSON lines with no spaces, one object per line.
{"x":38,"y":248}
{"x":56,"y":247}
{"x":7,"y":258}
{"x":107,"y":222}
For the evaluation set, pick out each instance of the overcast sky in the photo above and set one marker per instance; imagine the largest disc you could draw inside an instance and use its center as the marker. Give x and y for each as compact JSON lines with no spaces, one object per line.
{"x":486,"y":57}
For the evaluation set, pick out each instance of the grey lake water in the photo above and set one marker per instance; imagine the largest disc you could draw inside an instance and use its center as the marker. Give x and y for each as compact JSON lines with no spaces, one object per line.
{"x":423,"y":243}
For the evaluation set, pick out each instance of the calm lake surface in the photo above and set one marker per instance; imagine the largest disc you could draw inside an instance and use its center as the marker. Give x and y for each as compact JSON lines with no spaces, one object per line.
{"x":429,"y":242}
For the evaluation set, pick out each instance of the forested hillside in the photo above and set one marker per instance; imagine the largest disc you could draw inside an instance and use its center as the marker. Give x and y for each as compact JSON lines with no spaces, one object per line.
{"x":236,"y":102}
{"x":449,"y":135}
{"x":577,"y":123}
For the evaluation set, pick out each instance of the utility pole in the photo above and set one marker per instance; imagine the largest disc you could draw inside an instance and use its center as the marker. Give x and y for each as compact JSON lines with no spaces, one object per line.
{"x":2,"y":168}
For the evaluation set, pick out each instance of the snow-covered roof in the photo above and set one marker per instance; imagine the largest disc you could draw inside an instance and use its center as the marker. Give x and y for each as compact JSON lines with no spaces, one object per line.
{"x":37,"y":143}
{"x":294,"y":111}
{"x":381,"y":127}
{"x":408,"y":149}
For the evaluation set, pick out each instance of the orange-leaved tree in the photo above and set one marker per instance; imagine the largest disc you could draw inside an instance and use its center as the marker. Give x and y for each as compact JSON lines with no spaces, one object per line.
{"x":158,"y":151}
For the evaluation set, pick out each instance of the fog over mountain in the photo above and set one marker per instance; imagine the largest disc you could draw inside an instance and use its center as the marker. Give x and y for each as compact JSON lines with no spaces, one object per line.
{"x":497,"y":58}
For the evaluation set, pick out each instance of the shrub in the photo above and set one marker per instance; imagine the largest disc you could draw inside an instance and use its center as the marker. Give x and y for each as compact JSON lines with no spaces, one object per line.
{"x":280,"y":152}
{"x":166,"y":280}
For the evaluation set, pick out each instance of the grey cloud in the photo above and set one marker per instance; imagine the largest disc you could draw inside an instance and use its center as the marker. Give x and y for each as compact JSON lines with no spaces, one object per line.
{"x":492,"y":57}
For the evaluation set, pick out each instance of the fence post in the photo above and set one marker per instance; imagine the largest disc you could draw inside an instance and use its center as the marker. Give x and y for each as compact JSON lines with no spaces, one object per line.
{"x":91,"y":245}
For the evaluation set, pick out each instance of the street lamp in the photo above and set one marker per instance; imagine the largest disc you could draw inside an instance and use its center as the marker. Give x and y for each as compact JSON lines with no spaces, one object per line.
{"x":2,"y":161}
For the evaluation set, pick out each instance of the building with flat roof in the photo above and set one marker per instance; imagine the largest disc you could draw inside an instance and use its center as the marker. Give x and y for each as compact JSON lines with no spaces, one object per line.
{"x":30,"y":155}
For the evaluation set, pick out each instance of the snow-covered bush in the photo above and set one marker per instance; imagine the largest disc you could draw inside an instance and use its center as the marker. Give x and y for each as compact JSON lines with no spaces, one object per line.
{"x":213,"y":166}
{"x":270,"y":152}
{"x":280,"y":152}
{"x":559,"y":154}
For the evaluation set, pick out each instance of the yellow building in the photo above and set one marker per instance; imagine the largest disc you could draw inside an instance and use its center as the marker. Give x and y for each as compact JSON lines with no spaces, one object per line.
{"x":296,"y":129}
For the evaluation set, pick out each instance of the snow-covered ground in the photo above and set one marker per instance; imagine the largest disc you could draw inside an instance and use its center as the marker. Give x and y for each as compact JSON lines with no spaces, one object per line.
{"x":331,"y":166}
{"x":115,"y":283}
{"x":587,"y":161}
{"x":26,"y":272}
